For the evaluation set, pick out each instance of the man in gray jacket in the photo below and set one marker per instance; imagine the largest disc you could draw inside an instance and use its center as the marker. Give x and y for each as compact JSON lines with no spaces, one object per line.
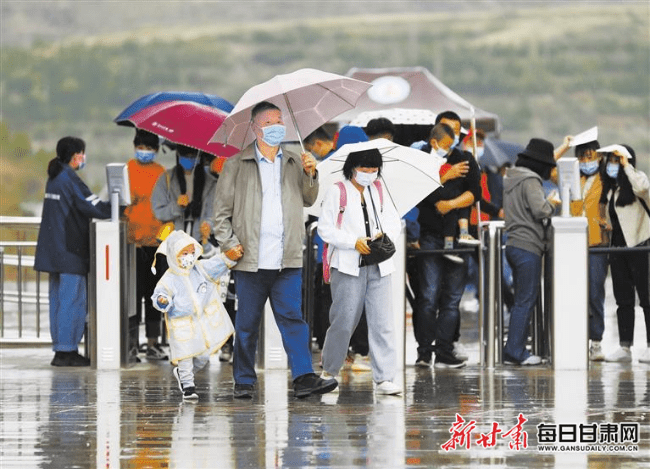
{"x":259,"y":222}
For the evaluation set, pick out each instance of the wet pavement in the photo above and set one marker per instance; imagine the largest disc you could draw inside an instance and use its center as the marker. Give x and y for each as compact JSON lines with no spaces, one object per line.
{"x":135,"y":417}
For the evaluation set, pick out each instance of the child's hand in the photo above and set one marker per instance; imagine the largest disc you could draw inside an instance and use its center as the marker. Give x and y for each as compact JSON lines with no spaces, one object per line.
{"x":162,"y":303}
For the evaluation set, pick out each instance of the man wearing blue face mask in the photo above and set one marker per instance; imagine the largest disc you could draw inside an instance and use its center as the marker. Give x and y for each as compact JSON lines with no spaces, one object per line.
{"x":259,"y":222}
{"x":142,"y":228}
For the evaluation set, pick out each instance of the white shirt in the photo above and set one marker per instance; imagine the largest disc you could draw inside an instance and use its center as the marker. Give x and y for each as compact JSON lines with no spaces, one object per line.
{"x":271,"y":245}
{"x":342,"y":240}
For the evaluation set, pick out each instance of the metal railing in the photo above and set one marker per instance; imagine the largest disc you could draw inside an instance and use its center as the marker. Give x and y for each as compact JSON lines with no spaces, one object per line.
{"x":23,"y":300}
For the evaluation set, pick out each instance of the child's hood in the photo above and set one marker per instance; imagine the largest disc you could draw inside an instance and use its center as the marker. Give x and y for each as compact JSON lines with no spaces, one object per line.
{"x":172,"y":245}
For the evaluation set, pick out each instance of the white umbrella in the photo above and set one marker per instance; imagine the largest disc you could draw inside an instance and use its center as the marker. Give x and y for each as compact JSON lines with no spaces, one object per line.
{"x":310,"y":97}
{"x":398,"y":116}
{"x":408,"y":175}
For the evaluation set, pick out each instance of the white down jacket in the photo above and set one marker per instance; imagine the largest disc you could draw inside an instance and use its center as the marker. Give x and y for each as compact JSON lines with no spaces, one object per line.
{"x":197,"y":322}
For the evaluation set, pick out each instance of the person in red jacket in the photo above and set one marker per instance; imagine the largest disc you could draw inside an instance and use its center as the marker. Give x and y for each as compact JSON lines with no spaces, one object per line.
{"x":143,"y":228}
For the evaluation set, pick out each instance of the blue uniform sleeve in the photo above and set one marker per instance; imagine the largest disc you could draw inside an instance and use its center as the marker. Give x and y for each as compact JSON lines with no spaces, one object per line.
{"x":89,"y":204}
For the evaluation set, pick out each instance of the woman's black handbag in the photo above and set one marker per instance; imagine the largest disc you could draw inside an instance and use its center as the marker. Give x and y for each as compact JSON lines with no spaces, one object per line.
{"x":381,"y":248}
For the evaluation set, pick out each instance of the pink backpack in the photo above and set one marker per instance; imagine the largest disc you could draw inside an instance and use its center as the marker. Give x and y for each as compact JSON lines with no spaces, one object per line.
{"x":343,"y":201}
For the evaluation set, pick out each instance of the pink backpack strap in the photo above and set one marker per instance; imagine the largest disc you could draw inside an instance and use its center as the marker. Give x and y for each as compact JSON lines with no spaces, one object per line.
{"x":380,"y":189}
{"x":343,"y":201}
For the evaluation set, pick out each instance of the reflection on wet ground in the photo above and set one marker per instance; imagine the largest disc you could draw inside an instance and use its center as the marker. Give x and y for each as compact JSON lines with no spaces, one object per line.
{"x":63,"y":418}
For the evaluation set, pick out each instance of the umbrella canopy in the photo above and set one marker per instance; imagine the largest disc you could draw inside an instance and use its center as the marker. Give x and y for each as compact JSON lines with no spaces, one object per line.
{"x":398,"y":116}
{"x":414,"y":87}
{"x":167,"y":96}
{"x":409,"y":175}
{"x":185,"y":122}
{"x":308,"y":98}
{"x":499,"y":152}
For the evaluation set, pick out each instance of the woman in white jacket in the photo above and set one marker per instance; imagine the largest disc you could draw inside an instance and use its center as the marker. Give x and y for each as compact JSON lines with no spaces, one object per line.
{"x":367,"y":212}
{"x":625,"y":200}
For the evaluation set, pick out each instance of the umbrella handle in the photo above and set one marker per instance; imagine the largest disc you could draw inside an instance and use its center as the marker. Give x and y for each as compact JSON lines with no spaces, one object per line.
{"x":295,"y":126}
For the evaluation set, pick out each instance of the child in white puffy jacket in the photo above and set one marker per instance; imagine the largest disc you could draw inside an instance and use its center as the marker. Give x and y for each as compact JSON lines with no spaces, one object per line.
{"x":188,"y":293}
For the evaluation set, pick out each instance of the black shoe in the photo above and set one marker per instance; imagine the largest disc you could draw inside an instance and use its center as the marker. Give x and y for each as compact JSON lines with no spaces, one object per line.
{"x":423,"y":361}
{"x":243,"y":391}
{"x":133,"y":355}
{"x":156,"y":352}
{"x":308,"y":384}
{"x":69,"y":359}
{"x":190,"y":394}
{"x":226,"y":353}
{"x":447,"y":360}
{"x":60,"y":359}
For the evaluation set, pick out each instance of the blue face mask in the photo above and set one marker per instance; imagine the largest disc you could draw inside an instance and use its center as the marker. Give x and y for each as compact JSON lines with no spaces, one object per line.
{"x":187,"y":162}
{"x":480,"y":151}
{"x":456,"y":141}
{"x":589,"y":167}
{"x":145,"y":156}
{"x":612,"y":170}
{"x":82,"y":164}
{"x":274,"y":134}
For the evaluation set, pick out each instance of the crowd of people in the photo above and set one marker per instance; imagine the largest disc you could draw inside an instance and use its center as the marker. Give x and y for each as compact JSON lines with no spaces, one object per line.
{"x":205,"y":220}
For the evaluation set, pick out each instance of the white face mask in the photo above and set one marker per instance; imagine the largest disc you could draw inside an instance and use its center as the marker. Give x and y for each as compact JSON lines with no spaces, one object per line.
{"x":442,"y":153}
{"x":186,"y":261}
{"x":365,"y":179}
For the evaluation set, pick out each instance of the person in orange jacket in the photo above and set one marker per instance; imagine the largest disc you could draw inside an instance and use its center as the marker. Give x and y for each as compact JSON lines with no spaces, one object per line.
{"x":143,"y":228}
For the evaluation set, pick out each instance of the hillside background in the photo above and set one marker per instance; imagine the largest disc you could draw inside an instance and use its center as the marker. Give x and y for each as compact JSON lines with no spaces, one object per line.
{"x":548,"y":69}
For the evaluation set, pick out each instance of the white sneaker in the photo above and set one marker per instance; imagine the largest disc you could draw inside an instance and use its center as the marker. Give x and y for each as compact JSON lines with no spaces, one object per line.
{"x":460,"y":352}
{"x":531,"y":361}
{"x":470,"y":306}
{"x":468,"y":240}
{"x":388,"y":388}
{"x":621,"y":355}
{"x":596,"y":352}
{"x":454,"y":258}
{"x":645,"y":358}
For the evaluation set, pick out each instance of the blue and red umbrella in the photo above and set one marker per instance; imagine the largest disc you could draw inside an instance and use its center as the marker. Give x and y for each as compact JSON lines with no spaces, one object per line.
{"x":184,"y":121}
{"x":168,"y":96}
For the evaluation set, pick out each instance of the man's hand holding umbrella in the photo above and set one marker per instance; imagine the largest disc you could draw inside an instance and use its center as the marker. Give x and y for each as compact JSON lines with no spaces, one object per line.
{"x":309,"y":163}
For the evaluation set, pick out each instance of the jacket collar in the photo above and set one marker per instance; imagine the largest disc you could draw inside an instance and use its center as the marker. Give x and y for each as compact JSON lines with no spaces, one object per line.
{"x":249,"y":153}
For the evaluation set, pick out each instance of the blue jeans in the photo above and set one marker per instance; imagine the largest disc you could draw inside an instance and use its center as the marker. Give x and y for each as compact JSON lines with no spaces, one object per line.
{"x":441,"y":288}
{"x":283,"y":287}
{"x":597,"y":275}
{"x":526,"y":272}
{"x":68,"y":308}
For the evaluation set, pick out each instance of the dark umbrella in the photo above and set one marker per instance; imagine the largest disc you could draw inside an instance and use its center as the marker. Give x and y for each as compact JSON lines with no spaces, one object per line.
{"x":499,"y":152}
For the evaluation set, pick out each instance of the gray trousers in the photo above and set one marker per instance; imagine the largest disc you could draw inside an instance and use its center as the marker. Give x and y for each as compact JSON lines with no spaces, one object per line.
{"x":349,"y":295}
{"x":189,"y":366}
